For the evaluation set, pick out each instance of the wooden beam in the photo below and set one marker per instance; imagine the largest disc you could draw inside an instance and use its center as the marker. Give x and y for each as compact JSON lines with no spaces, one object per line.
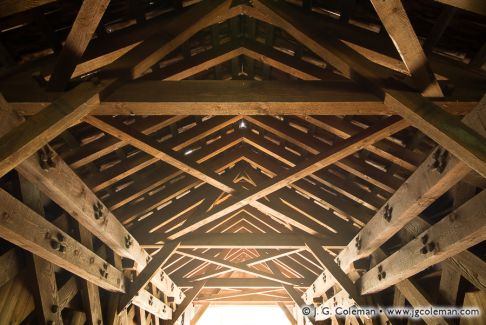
{"x":12,"y":7}
{"x":149,"y":52}
{"x":270,"y":256}
{"x":23,"y":141}
{"x":447,"y":131}
{"x":417,"y":299}
{"x":238,"y":267}
{"x":190,"y":296}
{"x":82,"y":30}
{"x":90,"y":293}
{"x":152,"y":304}
{"x":200,"y":311}
{"x":141,"y":281}
{"x":423,"y":114}
{"x":64,"y":187}
{"x":242,"y":240}
{"x":455,"y":233}
{"x":44,"y":279}
{"x":422,"y":188}
{"x":328,"y":263}
{"x":11,"y":265}
{"x":313,"y":164}
{"x":235,"y":283}
{"x":158,"y":150}
{"x":287,"y":313}
{"x":201,"y":97}
{"x":27,"y":229}
{"x":478,"y":7}
{"x":395,"y":19}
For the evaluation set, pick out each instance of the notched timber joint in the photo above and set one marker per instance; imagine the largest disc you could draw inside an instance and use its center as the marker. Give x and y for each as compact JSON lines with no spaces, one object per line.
{"x":441,"y":157}
{"x":46,"y":158}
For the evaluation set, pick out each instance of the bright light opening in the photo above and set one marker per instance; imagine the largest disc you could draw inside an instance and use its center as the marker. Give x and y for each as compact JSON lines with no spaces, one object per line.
{"x":243,"y":315}
{"x":242,"y":124}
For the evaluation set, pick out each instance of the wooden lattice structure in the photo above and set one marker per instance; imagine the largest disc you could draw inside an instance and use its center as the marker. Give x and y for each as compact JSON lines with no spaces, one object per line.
{"x":157,"y":157}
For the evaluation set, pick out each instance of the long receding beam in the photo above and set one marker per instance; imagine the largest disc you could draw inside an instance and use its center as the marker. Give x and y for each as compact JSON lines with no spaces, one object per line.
{"x":422,"y":113}
{"x":301,"y":97}
{"x":234,"y":283}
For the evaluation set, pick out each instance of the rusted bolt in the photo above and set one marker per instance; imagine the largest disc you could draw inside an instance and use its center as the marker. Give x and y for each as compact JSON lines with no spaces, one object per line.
{"x":440,"y":160}
{"x":387,"y":212}
{"x":425,"y":239}
{"x":128,"y":241}
{"x":358,"y":243}
{"x":55,"y":244}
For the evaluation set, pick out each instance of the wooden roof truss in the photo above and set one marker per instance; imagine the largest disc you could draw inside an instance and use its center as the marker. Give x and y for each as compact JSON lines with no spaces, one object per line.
{"x":306,"y":178}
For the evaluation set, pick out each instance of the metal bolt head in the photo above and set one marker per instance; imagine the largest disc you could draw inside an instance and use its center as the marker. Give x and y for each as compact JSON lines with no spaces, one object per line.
{"x":55,"y":244}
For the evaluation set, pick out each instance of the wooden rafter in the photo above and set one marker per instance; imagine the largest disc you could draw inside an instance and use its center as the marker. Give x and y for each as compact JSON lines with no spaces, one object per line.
{"x":83,"y":28}
{"x":426,"y":116}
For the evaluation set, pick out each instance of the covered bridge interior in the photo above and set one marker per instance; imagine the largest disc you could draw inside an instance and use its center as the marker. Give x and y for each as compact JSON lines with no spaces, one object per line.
{"x":158,"y":158}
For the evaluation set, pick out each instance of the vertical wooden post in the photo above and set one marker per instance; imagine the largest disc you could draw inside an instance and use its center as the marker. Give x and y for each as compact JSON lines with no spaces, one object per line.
{"x":90,"y":292}
{"x":45,"y":287}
